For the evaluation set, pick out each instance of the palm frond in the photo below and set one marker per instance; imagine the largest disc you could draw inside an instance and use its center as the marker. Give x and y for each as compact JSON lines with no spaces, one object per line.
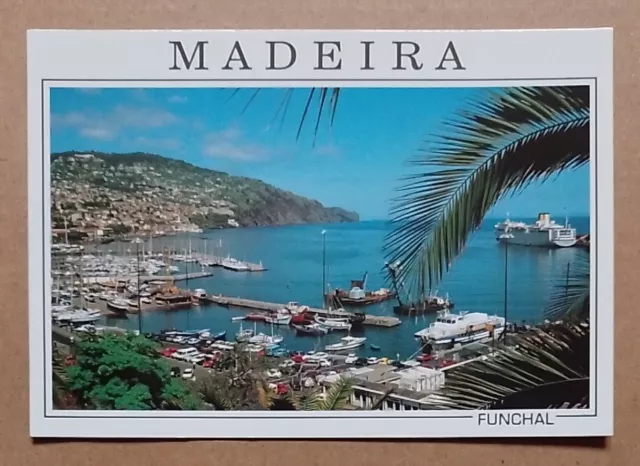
{"x":380,"y":401}
{"x":521,"y":375}
{"x":570,"y":300}
{"x":212,"y":393}
{"x":264,"y":394}
{"x":323,"y":99}
{"x":338,"y":394}
{"x":496,"y":147}
{"x":305,"y":400}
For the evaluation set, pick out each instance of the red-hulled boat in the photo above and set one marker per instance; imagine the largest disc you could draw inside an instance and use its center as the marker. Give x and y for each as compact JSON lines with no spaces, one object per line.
{"x":256,"y":317}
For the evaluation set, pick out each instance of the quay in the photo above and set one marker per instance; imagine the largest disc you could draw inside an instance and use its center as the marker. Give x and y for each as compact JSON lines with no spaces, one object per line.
{"x":264,"y":306}
{"x":151,"y":278}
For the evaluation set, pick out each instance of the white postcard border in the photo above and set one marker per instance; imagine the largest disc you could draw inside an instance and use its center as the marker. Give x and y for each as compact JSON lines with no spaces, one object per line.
{"x":44,"y":72}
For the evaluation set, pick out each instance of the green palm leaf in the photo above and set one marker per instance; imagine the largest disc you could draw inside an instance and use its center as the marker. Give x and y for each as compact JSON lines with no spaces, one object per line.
{"x":570,"y":299}
{"x":321,"y":101}
{"x":498,"y":146}
{"x":523,"y":375}
{"x":338,"y":394}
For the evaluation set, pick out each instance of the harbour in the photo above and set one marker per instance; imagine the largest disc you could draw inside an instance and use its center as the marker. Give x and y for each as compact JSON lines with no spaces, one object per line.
{"x":232,"y":295}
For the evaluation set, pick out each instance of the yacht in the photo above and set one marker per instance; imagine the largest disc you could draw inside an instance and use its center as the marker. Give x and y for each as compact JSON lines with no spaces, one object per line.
{"x":118,"y":305}
{"x":463,"y":328}
{"x":264,"y":339}
{"x":346,"y":343}
{"x":234,"y":264}
{"x":334,"y":323}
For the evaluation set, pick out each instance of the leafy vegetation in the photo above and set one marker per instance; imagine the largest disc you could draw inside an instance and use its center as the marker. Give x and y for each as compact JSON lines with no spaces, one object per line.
{"x":544,"y":368}
{"x":124,"y":372}
{"x":496,"y":147}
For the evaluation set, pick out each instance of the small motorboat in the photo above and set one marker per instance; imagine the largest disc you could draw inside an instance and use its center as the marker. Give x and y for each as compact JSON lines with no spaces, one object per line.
{"x":374,"y":347}
{"x":238,"y":318}
{"x":346,"y":343}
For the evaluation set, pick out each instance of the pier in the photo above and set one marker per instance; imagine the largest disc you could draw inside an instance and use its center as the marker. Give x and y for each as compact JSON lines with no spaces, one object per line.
{"x":151,"y":278}
{"x":264,"y":306}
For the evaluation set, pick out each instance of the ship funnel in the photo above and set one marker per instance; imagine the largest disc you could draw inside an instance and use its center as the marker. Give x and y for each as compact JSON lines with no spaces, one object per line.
{"x":544,"y":218}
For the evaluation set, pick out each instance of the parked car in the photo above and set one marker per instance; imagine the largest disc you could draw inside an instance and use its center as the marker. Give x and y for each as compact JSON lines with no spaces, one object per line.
{"x":175,"y":372}
{"x":193,"y":341}
{"x":273,"y":373}
{"x":197,"y":359}
{"x":361,"y":362}
{"x":325,"y":363}
{"x":312,"y":356}
{"x":373,"y":360}
{"x":297,"y":359}
{"x":188,"y":374}
{"x":167,"y":352}
{"x":287,"y":364}
{"x":351,"y":359}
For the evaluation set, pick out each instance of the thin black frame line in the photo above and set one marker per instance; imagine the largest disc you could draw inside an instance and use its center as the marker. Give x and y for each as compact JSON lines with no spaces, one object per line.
{"x":44,"y":80}
{"x":315,"y":79}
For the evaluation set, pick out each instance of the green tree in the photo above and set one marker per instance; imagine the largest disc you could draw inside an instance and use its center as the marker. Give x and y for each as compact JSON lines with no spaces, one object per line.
{"x":124,"y":372}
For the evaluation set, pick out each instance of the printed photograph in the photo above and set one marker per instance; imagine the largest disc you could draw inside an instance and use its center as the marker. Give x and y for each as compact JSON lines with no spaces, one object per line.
{"x":320,"y":249}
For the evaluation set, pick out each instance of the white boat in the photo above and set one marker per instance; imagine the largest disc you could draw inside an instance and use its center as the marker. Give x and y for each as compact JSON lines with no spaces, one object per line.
{"x":133,"y":302}
{"x":234,"y":264}
{"x":199,"y":293}
{"x":346,"y":343}
{"x":280,"y":318}
{"x":244,"y":334}
{"x":334,"y":323}
{"x":264,"y":339}
{"x":118,"y":304}
{"x":463,"y":327}
{"x":237,"y":318}
{"x":543,"y":233}
{"x":79,"y":316}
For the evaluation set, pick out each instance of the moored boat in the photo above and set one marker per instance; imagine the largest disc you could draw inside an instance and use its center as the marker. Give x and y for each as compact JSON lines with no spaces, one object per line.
{"x":279,"y":318}
{"x":118,"y":305}
{"x":346,"y":343}
{"x":310,"y":329}
{"x":334,"y":323}
{"x":461,"y":328}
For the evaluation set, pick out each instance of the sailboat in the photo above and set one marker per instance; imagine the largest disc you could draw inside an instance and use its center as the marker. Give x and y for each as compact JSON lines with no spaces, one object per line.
{"x":264,"y":339}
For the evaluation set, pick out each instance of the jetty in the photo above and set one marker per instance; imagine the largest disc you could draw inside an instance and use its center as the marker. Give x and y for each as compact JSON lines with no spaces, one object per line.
{"x":264,"y":306}
{"x":150,"y":278}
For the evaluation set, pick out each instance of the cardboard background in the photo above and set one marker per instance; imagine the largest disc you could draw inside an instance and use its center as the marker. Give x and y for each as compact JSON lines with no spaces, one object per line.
{"x":16,"y":448}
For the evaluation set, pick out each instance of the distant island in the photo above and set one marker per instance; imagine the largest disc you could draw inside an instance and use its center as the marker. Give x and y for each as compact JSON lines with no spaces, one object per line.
{"x":107,"y":193}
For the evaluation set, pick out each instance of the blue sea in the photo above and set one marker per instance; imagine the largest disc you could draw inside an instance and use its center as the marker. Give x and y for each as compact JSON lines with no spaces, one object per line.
{"x":293,"y":257}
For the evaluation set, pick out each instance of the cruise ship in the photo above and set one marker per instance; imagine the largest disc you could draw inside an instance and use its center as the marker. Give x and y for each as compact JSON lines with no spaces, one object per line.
{"x":543,"y":233}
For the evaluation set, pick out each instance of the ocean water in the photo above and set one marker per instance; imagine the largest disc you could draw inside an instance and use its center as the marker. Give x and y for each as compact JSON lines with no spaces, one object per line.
{"x":293,"y":257}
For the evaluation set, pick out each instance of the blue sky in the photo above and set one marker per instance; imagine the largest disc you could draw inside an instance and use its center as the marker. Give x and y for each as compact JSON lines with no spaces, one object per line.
{"x":355,"y":164}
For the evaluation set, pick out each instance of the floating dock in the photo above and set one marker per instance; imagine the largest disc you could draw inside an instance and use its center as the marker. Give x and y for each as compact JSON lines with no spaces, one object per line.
{"x":264,"y":306}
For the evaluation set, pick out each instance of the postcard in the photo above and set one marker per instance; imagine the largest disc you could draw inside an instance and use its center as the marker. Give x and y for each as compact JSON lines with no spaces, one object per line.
{"x":320,"y":233}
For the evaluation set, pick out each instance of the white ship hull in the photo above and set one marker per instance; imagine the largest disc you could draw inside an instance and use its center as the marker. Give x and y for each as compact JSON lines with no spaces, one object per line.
{"x":535,"y":238}
{"x":543,"y":233}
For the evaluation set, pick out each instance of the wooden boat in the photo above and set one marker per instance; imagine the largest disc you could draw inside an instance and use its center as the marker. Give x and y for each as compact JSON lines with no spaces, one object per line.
{"x":279,"y":318}
{"x":358,"y":296}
